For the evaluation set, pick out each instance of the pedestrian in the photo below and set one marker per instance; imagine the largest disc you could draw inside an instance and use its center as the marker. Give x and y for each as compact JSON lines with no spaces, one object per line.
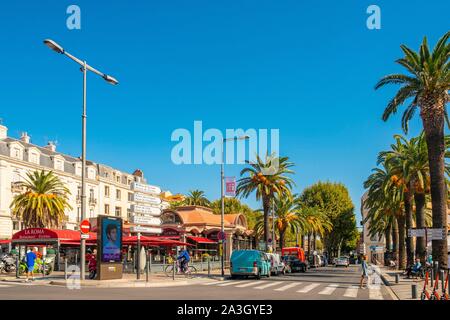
{"x":31,"y":258}
{"x":364,"y":273}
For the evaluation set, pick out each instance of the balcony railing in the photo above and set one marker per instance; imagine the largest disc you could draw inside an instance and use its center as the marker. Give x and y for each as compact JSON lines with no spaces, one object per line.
{"x":92,"y":201}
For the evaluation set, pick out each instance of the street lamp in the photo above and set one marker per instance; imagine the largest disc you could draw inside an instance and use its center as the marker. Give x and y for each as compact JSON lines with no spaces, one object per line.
{"x":84,"y":67}
{"x":222,"y":197}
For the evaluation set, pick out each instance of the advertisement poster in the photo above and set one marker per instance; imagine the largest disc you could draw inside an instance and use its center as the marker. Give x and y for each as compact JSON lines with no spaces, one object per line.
{"x":111,"y":240}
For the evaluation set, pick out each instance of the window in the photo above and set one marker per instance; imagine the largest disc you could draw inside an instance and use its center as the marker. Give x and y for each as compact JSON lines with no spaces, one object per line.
{"x":78,"y":169}
{"x":118,"y":211}
{"x":106,"y":208}
{"x":118,"y":195}
{"x":128,"y":181}
{"x":107,"y":191}
{"x":16,"y":152}
{"x":16,"y":225}
{"x":130,"y":196}
{"x":91,"y":194}
{"x":129,"y":213}
{"x":118,"y":179}
{"x":91,"y":173}
{"x":34,"y":157}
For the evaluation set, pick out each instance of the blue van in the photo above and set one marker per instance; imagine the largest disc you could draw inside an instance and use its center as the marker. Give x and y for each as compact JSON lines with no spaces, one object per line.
{"x":249,"y":263}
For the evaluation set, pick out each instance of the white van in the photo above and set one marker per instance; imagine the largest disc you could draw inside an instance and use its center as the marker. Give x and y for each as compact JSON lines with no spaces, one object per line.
{"x":276,"y":265}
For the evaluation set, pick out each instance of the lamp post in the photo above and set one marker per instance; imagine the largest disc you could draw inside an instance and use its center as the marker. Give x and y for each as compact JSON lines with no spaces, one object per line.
{"x":84,"y":68}
{"x":222,"y":197}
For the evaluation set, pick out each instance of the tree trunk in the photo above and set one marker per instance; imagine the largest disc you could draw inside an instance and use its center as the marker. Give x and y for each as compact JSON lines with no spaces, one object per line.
{"x":266,"y":208}
{"x":388,"y":240}
{"x":408,"y":224}
{"x":401,"y":242}
{"x":282,"y":239}
{"x":432,"y":114}
{"x":395,"y":241}
{"x":309,"y":243}
{"x":421,"y":246}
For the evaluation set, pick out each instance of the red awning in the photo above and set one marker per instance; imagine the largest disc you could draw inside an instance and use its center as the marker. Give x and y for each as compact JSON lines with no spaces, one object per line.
{"x":5,"y":241}
{"x":201,"y":239}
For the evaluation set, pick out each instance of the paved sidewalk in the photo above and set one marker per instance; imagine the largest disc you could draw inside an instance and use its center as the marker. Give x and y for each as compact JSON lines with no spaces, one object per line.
{"x":402,"y":289}
{"x":129,"y":280}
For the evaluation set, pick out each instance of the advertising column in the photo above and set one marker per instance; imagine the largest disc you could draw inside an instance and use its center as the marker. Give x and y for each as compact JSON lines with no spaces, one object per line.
{"x":109,"y":244}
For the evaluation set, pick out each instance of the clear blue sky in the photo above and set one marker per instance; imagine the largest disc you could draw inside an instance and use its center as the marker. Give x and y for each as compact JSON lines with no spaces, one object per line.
{"x":305,"y":68}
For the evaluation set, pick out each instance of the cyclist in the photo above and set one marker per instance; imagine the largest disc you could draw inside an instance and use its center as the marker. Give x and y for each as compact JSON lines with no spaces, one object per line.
{"x":184,"y":259}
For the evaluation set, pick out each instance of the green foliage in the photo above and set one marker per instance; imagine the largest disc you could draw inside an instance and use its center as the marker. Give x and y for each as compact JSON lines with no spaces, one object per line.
{"x":333,"y":200}
{"x":233,"y":205}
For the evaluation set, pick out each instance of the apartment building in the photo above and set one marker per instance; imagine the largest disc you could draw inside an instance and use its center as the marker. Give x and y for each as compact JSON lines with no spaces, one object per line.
{"x":108,"y":191}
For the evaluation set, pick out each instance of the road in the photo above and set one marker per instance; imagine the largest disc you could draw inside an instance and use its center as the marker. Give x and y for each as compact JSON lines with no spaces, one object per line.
{"x":328,"y":283}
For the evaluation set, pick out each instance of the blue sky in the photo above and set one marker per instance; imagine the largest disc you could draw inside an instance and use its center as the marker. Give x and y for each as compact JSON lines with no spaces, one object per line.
{"x":304,"y":68}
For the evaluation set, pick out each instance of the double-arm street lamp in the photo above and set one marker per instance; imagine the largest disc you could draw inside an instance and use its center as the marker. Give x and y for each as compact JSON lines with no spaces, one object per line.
{"x":84,"y":67}
{"x":222,"y":197}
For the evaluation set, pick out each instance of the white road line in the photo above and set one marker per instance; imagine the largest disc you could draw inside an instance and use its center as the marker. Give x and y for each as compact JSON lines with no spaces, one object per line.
{"x":308,"y":287}
{"x":375,"y":294}
{"x":351,"y":292}
{"x":250,"y":284}
{"x":229,"y":283}
{"x":288,"y":286}
{"x":329,"y":290}
{"x":270,"y":284}
{"x":216,"y":282}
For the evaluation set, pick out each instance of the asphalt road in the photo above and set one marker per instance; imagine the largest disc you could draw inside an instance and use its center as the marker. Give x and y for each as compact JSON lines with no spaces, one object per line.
{"x":328,"y":283}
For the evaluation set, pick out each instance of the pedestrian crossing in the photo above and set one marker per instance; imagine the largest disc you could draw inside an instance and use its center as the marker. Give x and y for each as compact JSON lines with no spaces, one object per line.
{"x":321,"y":289}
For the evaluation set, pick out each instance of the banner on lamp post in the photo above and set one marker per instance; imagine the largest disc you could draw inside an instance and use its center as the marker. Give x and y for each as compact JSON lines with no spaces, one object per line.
{"x":230,"y":186}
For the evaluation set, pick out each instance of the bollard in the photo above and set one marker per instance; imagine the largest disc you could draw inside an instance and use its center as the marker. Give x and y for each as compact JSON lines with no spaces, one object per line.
{"x":173,"y":270}
{"x":414,"y":291}
{"x":442,"y":276}
{"x":150,"y":262}
{"x":397,"y":278}
{"x":209,"y":268}
{"x":432,"y":277}
{"x":65,"y":269}
{"x":17,"y":267}
{"x":147,"y":270}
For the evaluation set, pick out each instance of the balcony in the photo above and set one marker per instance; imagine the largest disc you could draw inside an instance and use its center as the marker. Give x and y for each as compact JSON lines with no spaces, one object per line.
{"x":92,"y":201}
{"x":16,"y":187}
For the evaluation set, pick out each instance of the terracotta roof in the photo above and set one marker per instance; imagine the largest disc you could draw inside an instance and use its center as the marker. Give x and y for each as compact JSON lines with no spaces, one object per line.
{"x":204,"y":216}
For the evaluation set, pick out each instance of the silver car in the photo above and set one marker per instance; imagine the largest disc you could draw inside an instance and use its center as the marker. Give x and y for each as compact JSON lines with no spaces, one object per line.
{"x":342,"y":261}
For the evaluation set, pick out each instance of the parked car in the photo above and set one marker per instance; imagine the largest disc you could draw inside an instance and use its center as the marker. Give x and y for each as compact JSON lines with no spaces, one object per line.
{"x":276,"y":264}
{"x":294,"y":251}
{"x":249,"y":263}
{"x":342,"y":261}
{"x":294,"y":264}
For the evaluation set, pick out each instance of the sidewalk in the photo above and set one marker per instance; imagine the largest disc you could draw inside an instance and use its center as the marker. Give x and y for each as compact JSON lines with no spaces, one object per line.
{"x":403,"y":289}
{"x":128,"y":280}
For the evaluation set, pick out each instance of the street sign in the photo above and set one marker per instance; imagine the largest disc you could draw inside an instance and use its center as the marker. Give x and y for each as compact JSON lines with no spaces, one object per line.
{"x":221,"y":235}
{"x":270,"y":240}
{"x":149,"y":221}
{"x":85,"y":226}
{"x":136,"y":229}
{"x":436,"y":234}
{"x":412,"y":232}
{"x":85,"y":236}
{"x":146,"y":210}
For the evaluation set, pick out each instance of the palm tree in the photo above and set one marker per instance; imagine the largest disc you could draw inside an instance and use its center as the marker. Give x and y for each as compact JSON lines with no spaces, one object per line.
{"x":426,"y":86}
{"x":44,"y":202}
{"x":196,"y":198}
{"x":315,"y":223}
{"x":385,"y":198}
{"x":266,"y":184}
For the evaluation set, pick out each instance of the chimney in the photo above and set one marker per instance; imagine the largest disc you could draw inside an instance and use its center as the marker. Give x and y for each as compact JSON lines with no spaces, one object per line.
{"x":51,"y":146}
{"x":3,"y":132}
{"x":25,"y":137}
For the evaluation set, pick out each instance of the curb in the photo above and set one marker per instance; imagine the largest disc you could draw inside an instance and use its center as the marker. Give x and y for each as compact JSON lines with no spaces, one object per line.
{"x":388,"y":286}
{"x":125,"y":285}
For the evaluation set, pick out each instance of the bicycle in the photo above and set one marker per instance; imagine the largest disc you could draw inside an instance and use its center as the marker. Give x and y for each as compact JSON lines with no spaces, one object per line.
{"x":189,"y":272}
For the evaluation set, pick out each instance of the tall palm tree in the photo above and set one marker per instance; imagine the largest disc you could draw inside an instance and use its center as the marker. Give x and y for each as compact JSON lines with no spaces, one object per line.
{"x":315,"y":223}
{"x":266,"y":185}
{"x":196,"y":198}
{"x":426,"y":86}
{"x":385,"y":198}
{"x":44,"y":202}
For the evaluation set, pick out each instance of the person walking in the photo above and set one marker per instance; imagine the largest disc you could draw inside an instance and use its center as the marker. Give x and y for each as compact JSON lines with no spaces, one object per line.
{"x":31,"y":258}
{"x":364,"y":273}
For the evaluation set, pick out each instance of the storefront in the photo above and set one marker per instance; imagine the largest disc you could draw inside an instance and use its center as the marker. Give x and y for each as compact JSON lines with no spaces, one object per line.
{"x":200,"y":227}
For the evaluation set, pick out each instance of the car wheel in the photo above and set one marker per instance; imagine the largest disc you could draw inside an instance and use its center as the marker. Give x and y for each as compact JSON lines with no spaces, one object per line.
{"x":233,"y":277}
{"x":258,"y":275}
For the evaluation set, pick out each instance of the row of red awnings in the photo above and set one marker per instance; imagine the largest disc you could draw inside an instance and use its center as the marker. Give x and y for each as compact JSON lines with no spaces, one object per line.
{"x":200,"y":239}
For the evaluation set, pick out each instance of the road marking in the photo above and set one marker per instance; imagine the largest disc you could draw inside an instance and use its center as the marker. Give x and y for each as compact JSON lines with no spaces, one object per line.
{"x":229,"y":283}
{"x":351,"y":292}
{"x":375,"y":294}
{"x":250,"y":284}
{"x":308,"y":288}
{"x":288,"y":286}
{"x":270,"y":284}
{"x":329,"y":290}
{"x":216,"y":282}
